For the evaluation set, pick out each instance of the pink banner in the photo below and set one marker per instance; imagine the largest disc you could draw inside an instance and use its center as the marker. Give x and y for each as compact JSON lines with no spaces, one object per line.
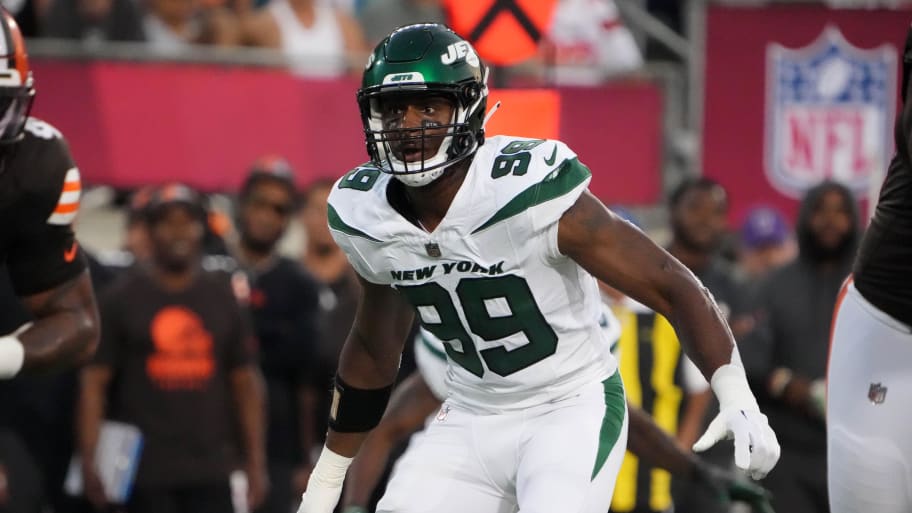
{"x":130,"y":124}
{"x":796,"y":94}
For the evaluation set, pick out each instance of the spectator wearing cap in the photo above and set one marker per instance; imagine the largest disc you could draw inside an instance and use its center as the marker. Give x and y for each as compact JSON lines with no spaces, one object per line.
{"x":786,"y":354}
{"x":177,"y":360}
{"x":766,"y":242}
{"x":136,"y":234}
{"x":285,"y":306}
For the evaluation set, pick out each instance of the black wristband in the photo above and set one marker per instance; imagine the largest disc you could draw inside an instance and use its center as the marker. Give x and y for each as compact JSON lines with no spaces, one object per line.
{"x":355,"y":410}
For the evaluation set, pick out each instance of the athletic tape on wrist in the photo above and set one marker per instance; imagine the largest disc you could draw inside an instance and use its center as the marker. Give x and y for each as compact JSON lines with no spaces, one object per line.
{"x":729,"y":383}
{"x":329,"y":471}
{"x":355,"y":410}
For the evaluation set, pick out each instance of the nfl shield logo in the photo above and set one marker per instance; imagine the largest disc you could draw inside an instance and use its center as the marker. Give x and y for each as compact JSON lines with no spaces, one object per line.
{"x":877,"y":393}
{"x":829,"y":114}
{"x":433,"y":249}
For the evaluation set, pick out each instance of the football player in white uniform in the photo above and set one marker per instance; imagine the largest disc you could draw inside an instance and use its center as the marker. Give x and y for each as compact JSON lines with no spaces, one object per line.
{"x":495,"y":242}
{"x":416,"y":403}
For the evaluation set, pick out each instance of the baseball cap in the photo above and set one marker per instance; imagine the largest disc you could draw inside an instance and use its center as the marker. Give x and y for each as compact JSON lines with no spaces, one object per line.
{"x":270,"y":167}
{"x":138,"y":203}
{"x":174,"y":194}
{"x":764,"y":226}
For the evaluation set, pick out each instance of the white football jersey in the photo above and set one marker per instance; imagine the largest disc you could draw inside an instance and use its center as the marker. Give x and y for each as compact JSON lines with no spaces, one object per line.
{"x":431,"y":359}
{"x":520,"y":321}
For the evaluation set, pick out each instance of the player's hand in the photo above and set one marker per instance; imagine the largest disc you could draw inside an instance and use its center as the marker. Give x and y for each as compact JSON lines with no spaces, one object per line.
{"x":756,"y":447}
{"x":731,"y":487}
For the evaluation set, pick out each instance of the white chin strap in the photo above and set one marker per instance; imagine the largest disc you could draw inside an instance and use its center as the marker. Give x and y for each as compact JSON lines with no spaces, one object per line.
{"x":420,"y":179}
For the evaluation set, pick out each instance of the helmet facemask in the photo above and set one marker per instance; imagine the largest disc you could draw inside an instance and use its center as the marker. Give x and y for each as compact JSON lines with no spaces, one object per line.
{"x":15,"y":104}
{"x":455,"y":141}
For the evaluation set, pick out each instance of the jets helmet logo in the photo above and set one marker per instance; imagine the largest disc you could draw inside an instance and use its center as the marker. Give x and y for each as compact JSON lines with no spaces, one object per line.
{"x":460,"y":50}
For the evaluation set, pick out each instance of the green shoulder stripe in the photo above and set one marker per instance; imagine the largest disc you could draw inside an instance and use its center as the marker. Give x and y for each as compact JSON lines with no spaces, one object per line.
{"x":336,"y":223}
{"x":562,"y":180}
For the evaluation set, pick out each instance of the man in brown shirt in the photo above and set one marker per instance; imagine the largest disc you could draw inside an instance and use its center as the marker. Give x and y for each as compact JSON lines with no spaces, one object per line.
{"x":177,"y":361}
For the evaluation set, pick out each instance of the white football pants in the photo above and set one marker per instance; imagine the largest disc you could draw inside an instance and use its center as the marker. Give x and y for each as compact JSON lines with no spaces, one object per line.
{"x":869,"y":417}
{"x":559,"y":457}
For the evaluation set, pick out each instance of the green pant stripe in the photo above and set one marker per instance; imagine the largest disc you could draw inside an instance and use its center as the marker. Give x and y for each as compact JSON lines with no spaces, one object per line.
{"x":615,"y":408}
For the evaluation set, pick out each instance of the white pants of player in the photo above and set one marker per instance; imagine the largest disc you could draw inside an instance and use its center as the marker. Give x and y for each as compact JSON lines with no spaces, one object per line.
{"x":869,"y":443}
{"x":539,"y":460}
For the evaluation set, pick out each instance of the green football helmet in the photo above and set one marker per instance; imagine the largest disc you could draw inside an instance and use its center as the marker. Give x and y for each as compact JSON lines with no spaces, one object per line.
{"x":426,"y":58}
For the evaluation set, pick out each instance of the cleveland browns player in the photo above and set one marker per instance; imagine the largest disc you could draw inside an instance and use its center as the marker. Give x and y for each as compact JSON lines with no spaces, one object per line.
{"x":869,"y":457}
{"x":39,"y":199}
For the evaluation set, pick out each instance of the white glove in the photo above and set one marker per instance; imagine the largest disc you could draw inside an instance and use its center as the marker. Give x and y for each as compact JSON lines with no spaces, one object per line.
{"x":325,"y":484}
{"x":756,"y":447}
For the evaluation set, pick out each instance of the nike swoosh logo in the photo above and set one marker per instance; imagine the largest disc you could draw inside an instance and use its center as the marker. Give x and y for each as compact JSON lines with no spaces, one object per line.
{"x":70,"y":254}
{"x":550,"y":160}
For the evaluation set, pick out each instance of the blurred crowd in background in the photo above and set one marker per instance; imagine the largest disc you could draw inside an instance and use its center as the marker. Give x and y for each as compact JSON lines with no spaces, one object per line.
{"x":327,"y":38}
{"x":323,"y":38}
{"x":281,"y":296}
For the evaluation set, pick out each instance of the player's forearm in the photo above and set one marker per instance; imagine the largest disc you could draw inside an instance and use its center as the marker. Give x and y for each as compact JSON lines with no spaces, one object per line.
{"x":66,"y":327}
{"x":409,"y":407}
{"x":248,"y":390}
{"x":369,"y":362}
{"x":367,"y":370}
{"x":655,"y":446}
{"x":59,"y":340}
{"x":698,"y":322}
{"x":345,"y":444}
{"x":367,"y":468}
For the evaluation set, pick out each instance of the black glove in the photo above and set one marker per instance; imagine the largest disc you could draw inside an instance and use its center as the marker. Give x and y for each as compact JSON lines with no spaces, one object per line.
{"x":732,"y":487}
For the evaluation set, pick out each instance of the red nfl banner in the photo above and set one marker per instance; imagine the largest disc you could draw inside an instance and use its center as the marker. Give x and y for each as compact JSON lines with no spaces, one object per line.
{"x":829,"y":113}
{"x":137,"y":123}
{"x":796,"y":94}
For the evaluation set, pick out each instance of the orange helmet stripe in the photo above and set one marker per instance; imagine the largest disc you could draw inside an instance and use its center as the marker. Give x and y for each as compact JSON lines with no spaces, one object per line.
{"x":20,"y":57}
{"x":13,"y":46}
